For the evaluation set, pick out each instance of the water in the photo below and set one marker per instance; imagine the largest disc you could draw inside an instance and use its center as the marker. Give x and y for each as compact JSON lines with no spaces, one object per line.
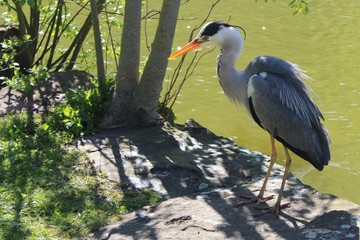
{"x":325,"y":44}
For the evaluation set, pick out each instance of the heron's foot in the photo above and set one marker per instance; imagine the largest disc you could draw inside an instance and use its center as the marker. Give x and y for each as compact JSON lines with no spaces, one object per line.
{"x":274,"y":209}
{"x":258,"y":200}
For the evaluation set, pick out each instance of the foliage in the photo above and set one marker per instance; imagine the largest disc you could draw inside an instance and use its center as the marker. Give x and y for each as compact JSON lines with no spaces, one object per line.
{"x":46,"y":25}
{"x":20,"y":79}
{"x":81,"y":112}
{"x":50,"y":191}
{"x":166,"y":112}
{"x":36,"y":49}
{"x":297,"y":6}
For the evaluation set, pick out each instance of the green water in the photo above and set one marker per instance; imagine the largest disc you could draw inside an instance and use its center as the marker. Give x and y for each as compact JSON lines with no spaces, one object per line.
{"x":325,"y":43}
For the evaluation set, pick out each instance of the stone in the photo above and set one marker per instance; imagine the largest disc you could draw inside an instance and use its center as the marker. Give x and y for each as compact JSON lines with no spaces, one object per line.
{"x":204,"y":176}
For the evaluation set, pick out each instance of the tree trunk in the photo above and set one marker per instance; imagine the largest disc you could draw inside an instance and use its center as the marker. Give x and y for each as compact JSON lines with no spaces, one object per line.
{"x":128,"y":70}
{"x":154,"y":72}
{"x":122,"y":110}
{"x":135,"y":104}
{"x":98,"y":48}
{"x":28,"y":59}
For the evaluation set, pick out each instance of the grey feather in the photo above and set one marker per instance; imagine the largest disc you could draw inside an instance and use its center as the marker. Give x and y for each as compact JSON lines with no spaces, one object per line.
{"x":294,"y":126}
{"x":286,"y":84}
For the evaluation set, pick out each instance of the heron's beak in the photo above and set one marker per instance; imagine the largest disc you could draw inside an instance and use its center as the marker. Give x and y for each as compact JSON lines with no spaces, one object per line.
{"x":191,"y":46}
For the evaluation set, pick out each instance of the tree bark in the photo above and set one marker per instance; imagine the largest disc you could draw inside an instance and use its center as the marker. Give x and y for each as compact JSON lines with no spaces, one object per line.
{"x":28,"y":59}
{"x":128,"y":70}
{"x":98,"y":48}
{"x":135,"y":103}
{"x":122,"y":110}
{"x":154,"y":72}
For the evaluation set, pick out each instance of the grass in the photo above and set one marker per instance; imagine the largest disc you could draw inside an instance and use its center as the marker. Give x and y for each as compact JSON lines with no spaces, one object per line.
{"x":49,"y":190}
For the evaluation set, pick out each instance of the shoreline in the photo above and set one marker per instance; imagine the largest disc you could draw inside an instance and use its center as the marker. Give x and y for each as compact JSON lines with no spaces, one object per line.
{"x":202,"y":176}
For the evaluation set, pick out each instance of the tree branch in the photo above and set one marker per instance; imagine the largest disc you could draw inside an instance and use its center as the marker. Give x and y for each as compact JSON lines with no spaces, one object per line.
{"x":172,"y":92}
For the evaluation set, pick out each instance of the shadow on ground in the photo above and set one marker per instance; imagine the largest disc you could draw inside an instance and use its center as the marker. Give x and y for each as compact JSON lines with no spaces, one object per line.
{"x":203,"y":176}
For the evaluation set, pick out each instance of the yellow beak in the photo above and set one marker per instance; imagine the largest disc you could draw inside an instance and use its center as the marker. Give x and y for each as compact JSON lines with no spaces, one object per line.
{"x":191,"y":46}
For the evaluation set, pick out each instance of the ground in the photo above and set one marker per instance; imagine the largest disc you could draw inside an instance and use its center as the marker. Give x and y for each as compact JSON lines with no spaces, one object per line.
{"x":46,"y":94}
{"x":203,"y":177}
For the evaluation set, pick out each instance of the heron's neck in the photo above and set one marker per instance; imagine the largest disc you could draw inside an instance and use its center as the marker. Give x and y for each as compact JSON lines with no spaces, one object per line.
{"x":231,"y":80}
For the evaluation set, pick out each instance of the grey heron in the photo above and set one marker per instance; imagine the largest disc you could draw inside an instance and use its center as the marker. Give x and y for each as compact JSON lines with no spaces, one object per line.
{"x":273,"y":93}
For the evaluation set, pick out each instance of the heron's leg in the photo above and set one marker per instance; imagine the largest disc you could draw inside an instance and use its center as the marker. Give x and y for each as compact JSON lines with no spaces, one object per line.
{"x":278,"y":205}
{"x":260,"y":197}
{"x":272,"y":162}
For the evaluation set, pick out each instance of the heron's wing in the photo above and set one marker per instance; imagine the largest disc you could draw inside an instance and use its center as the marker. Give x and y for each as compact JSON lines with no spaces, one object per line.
{"x":289,"y":115}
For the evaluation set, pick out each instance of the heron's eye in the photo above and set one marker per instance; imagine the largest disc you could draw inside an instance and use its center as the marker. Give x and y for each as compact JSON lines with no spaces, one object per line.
{"x":205,"y":38}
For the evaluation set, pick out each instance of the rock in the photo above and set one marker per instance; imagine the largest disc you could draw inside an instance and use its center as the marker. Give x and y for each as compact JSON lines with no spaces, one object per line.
{"x":204,"y":176}
{"x":168,"y":160}
{"x":212,"y":215}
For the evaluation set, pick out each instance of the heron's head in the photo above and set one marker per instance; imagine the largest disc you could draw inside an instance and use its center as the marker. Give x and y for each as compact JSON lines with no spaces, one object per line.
{"x":212,"y":34}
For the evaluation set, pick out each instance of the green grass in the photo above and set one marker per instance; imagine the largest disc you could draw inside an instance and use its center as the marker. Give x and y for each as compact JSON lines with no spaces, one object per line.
{"x":48,"y":190}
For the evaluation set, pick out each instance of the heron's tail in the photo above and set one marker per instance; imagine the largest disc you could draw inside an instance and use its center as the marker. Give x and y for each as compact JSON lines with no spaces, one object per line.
{"x":319,"y":153}
{"x":324,"y":145}
{"x":320,"y":156}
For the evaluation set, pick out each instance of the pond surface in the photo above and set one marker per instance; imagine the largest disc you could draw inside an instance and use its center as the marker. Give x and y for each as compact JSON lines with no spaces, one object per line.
{"x":325,"y":43}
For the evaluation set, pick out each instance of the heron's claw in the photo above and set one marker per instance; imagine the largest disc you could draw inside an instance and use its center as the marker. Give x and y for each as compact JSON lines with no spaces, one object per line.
{"x":274,"y":209}
{"x":258,"y":200}
{"x":263,"y":199}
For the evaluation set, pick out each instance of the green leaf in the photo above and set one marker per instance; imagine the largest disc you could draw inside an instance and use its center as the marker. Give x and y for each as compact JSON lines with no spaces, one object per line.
{"x":45,"y":127}
{"x":292,"y":3}
{"x":296,"y":10}
{"x":5,"y":56}
{"x":306,"y":10}
{"x":67,"y":111}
